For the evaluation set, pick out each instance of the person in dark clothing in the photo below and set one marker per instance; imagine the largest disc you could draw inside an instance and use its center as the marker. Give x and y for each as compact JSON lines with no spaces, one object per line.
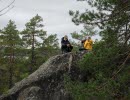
{"x":65,"y":45}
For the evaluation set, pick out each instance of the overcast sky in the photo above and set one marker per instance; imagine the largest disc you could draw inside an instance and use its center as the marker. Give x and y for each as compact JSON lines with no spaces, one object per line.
{"x":55,"y":14}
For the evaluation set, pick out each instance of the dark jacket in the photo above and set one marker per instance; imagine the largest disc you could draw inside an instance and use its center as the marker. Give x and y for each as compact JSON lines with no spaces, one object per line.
{"x":64,"y":42}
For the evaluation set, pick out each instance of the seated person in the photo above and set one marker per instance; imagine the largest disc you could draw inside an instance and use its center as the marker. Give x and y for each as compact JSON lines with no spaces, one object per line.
{"x":65,"y":45}
{"x":87,"y":44}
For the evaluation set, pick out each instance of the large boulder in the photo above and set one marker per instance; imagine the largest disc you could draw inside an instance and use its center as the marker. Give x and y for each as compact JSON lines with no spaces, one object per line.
{"x":46,"y":83}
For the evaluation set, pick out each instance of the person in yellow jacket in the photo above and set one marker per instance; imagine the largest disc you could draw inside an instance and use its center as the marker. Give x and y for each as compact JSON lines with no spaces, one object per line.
{"x":88,"y":44}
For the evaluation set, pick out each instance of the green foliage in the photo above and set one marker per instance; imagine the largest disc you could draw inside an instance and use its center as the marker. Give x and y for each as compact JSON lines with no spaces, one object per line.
{"x":101,"y":58}
{"x":30,"y":37}
{"x":16,"y":53}
{"x":107,"y":63}
{"x":51,"y":41}
{"x":10,"y":42}
{"x":33,"y":32}
{"x":85,"y":90}
{"x":88,"y":31}
{"x":101,"y":63}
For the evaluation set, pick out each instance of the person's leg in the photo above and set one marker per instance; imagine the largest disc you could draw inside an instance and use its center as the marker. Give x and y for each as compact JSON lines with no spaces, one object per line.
{"x":81,"y":49}
{"x":69,"y":49}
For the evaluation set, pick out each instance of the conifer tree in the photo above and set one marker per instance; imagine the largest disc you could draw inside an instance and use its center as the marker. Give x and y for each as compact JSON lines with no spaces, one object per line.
{"x":32,"y":35}
{"x":10,"y":41}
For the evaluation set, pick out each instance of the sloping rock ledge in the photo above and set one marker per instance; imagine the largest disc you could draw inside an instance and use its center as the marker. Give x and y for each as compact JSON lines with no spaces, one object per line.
{"x":46,"y":83}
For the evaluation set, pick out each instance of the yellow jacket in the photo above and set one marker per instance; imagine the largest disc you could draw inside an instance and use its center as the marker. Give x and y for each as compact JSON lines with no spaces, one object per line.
{"x":88,"y":44}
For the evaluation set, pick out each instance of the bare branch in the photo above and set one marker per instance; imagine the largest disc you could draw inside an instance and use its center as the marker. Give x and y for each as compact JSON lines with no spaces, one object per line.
{"x":7,"y":8}
{"x":7,"y":11}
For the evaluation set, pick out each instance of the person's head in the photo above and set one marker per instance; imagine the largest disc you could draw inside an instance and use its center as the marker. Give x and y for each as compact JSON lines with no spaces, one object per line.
{"x":65,"y":37}
{"x":89,"y":38}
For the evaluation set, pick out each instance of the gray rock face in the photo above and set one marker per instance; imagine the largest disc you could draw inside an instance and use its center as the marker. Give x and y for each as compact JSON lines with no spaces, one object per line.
{"x":31,"y":93}
{"x":46,"y":83}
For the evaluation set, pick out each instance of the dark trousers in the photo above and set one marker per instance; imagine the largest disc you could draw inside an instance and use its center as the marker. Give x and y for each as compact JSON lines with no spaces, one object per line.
{"x":66,"y":48}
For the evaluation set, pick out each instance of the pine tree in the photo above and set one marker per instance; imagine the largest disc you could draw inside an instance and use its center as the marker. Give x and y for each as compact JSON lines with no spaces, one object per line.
{"x":108,"y":64}
{"x":50,"y":45}
{"x":32,"y":35}
{"x":10,"y":41}
{"x":110,"y":16}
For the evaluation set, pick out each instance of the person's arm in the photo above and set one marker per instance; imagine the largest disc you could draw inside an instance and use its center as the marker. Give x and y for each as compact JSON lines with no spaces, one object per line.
{"x":62,"y":41}
{"x":68,"y":42}
{"x":85,"y":44}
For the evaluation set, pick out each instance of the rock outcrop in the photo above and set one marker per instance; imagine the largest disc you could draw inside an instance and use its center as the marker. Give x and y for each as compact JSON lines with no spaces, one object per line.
{"x":46,"y":83}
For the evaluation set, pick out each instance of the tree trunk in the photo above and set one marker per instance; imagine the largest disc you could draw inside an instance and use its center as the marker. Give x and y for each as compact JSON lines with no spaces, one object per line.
{"x":10,"y":77}
{"x":11,"y":63}
{"x":32,"y":55}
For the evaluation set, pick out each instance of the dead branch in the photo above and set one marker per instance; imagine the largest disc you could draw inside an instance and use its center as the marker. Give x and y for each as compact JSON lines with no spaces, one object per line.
{"x":7,"y":8}
{"x":7,"y":11}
